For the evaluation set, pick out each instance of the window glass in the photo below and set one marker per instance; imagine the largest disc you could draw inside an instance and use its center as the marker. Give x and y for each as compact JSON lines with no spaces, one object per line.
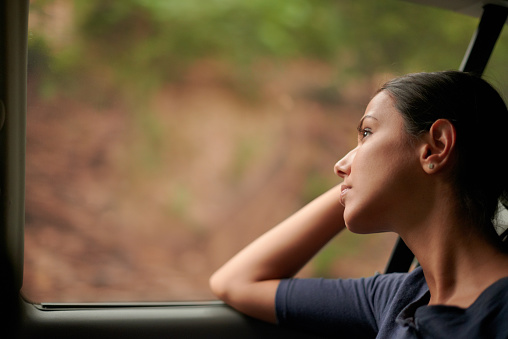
{"x":163,"y":136}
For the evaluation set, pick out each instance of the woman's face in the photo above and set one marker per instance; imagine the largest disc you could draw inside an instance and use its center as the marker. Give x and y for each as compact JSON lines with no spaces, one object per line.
{"x":382,"y":174}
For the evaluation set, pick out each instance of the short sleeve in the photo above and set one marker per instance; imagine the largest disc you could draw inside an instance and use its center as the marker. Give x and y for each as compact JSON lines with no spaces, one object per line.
{"x":345,"y":307}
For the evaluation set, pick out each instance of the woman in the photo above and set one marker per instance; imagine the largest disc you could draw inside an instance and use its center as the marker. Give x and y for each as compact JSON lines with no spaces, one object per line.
{"x":429,"y":166}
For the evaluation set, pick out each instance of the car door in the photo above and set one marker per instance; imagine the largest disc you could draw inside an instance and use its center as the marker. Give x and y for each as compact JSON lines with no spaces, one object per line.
{"x":196,"y":319}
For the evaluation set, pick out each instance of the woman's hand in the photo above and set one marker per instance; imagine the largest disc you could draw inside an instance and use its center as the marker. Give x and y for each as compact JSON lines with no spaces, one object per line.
{"x":249,"y":281}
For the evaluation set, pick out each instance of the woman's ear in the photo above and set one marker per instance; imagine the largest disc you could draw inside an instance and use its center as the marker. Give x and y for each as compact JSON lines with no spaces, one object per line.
{"x":436,"y":150}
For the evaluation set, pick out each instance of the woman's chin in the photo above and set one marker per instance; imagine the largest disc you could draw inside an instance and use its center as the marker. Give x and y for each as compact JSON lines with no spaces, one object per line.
{"x":363,"y":225}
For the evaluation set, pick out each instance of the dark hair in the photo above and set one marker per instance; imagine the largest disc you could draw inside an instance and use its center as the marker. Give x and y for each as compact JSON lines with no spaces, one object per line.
{"x":480,"y":118}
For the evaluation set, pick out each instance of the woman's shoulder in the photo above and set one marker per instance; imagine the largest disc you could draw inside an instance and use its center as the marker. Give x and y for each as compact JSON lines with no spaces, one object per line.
{"x":409,"y":282}
{"x":495,"y":295}
{"x":485,"y":318}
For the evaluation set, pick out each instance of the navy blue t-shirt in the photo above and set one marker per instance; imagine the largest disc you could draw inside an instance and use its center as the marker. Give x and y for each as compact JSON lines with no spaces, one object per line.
{"x":388,"y":306}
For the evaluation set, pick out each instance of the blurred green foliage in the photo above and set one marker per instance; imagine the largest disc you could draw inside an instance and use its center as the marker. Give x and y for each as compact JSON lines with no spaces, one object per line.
{"x":155,"y":41}
{"x":347,"y":245}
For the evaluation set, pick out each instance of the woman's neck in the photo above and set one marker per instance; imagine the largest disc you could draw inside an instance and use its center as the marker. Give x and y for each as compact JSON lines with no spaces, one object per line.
{"x":459,"y":263}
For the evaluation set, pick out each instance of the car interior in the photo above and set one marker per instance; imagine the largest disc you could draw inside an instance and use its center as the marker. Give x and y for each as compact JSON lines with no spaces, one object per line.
{"x":207,"y":319}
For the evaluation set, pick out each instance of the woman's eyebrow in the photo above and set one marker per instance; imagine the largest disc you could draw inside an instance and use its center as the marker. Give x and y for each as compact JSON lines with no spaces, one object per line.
{"x":365,"y":117}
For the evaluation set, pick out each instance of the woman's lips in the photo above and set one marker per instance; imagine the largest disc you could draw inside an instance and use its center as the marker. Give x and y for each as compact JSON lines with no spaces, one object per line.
{"x":343,"y":191}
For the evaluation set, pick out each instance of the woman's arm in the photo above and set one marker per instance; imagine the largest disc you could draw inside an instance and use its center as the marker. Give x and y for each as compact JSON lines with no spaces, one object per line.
{"x":249,"y":280}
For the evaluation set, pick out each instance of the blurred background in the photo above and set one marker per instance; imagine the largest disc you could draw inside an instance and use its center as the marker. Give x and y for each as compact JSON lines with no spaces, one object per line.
{"x":165,"y":135}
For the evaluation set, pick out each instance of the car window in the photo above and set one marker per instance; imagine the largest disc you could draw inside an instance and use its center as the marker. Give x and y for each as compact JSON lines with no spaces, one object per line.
{"x":163,"y":136}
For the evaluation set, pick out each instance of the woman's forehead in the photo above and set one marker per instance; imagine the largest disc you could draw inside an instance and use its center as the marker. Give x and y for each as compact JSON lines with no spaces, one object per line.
{"x":381,"y":107}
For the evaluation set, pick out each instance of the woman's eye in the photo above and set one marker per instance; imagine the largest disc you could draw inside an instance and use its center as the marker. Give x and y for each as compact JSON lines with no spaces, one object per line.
{"x":364,"y":132}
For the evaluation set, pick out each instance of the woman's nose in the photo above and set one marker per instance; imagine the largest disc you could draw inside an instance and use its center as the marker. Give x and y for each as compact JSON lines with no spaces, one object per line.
{"x":343,"y":167}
